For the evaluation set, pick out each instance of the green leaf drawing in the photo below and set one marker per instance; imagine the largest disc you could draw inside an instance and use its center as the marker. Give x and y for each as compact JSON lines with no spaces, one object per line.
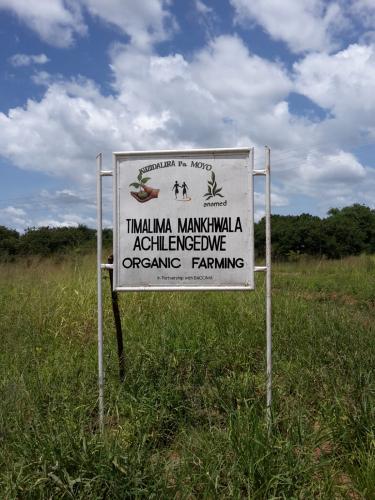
{"x":212,"y":189}
{"x":141,"y":182}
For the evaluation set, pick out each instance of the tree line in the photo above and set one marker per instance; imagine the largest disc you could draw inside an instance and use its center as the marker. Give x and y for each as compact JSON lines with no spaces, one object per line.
{"x":344,"y":232}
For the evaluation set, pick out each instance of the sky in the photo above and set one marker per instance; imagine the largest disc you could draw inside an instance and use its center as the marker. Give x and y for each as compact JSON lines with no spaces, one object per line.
{"x":79,"y":77}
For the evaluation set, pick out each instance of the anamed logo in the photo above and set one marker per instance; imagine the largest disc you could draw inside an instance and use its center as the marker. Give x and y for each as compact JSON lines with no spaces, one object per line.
{"x":213,"y":191}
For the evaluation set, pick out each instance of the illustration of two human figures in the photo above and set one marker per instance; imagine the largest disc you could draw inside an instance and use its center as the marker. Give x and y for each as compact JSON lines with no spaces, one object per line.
{"x":184,"y":188}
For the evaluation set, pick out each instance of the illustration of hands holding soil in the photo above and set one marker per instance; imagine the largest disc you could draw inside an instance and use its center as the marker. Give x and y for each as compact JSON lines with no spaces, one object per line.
{"x":144,"y":193}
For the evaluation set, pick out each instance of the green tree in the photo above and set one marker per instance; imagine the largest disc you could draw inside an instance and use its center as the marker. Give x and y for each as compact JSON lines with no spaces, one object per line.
{"x":9,"y":242}
{"x":49,"y":240}
{"x":349,"y":231}
{"x":291,"y":234}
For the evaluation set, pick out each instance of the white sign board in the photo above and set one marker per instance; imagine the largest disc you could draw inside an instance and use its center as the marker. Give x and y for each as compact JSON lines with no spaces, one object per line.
{"x":184,"y":220}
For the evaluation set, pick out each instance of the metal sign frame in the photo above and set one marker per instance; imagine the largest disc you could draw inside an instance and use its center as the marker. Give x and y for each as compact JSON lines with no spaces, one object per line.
{"x":216,"y":153}
{"x":266,"y":172}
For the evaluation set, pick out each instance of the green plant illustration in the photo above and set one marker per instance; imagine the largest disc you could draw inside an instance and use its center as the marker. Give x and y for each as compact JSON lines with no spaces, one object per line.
{"x":142,"y":181}
{"x":212,"y":189}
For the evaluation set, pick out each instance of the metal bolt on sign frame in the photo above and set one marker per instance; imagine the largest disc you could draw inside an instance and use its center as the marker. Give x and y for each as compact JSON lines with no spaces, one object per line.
{"x":267,"y":269}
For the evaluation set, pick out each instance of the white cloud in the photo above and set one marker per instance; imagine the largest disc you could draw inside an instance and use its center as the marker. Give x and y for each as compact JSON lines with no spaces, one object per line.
{"x":342,"y":83}
{"x":304,"y":25}
{"x":330,"y":179}
{"x":11,"y":216}
{"x":340,"y":168}
{"x":145,"y":22}
{"x":208,"y":100}
{"x":67,"y":220}
{"x":278,"y":200}
{"x":228,"y":71}
{"x":202,"y":8}
{"x":14,"y":212}
{"x":59,"y":22}
{"x":338,"y":81}
{"x":364,"y":10}
{"x":28,"y":59}
{"x":206,"y":17}
{"x":64,"y":207}
{"x":160,"y":102}
{"x":60,"y":134}
{"x":223,"y":96}
{"x":367,"y":38}
{"x":56,"y":22}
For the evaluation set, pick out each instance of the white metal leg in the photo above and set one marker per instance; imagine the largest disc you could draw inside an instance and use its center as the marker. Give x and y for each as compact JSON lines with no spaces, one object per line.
{"x":268,"y":284}
{"x":100,"y":297}
{"x":267,"y":269}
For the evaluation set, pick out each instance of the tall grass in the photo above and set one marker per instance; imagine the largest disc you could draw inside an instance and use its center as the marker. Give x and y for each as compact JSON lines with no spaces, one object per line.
{"x":189,"y":420}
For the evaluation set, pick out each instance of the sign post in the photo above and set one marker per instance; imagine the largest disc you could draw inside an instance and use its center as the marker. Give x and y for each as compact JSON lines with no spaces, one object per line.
{"x":268,"y":286}
{"x":184,"y":221}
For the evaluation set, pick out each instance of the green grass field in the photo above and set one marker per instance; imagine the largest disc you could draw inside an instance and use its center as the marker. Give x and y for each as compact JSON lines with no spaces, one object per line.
{"x":189,"y":420}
